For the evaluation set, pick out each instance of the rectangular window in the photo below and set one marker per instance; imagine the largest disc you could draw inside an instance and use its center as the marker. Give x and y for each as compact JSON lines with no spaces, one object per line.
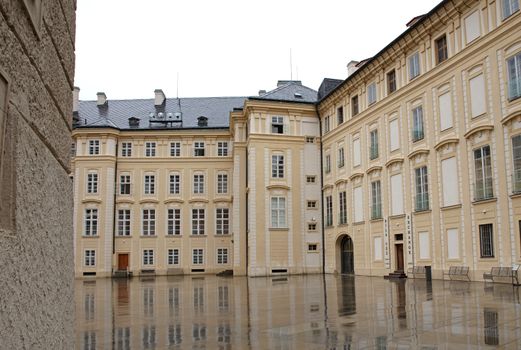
{"x":92,"y":183}
{"x":277,"y":125}
{"x":124,"y":222}
{"x":311,"y":204}
{"x":174,"y":222}
{"x":198,"y":221}
{"x":91,"y":222}
{"x":222,"y":183}
{"x":124,"y":184}
{"x":373,"y":149}
{"x":312,"y":247}
{"x":90,"y":257}
{"x":358,"y":202}
{"x":222,"y":221}
{"x":175,"y":149}
{"x":93,"y":147}
{"x":310,"y":139}
{"x":126,"y":149}
{"x":150,"y":184}
{"x":312,"y":227}
{"x":477,"y":96}
{"x":449,"y":177}
{"x":391,"y":82}
{"x":516,"y":153}
{"x":150,"y":149}
{"x":486,"y":240}
{"x":356,"y":152}
{"x":328,"y":164}
{"x":414,"y":65}
{"x":472,"y":27}
{"x":149,"y":222}
{"x":483,"y":170}
{"x":148,"y":257}
{"x":173,"y":257}
{"x":354,"y":105}
{"x":422,"y":189}
{"x":510,"y":7}
{"x":340,"y":115}
{"x":441,"y":49}
{"x":445,"y":105}
{"x":514,"y":76}
{"x":341,"y":158}
{"x":329,"y":211}
{"x":198,"y":149}
{"x":278,"y":212}
{"x":277,"y":166}
{"x":396,"y":195}
{"x":376,"y":200}
{"x":197,"y":256}
{"x":198,"y":183}
{"x":394,"y":134}
{"x":175,"y":183}
{"x":417,"y":124}
{"x":222,"y":255}
{"x":342,"y":205}
{"x":371,"y":94}
{"x":327,"y":126}
{"x":452,"y":244}
{"x":222,"y":149}
{"x":311,"y":179}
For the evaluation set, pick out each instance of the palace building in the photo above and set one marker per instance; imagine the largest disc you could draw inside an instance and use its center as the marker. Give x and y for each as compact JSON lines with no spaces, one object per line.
{"x":413,"y":159}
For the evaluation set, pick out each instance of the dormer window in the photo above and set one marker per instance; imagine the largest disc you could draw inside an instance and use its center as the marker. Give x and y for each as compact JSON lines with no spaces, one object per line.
{"x":277,"y":125}
{"x":202,"y":121}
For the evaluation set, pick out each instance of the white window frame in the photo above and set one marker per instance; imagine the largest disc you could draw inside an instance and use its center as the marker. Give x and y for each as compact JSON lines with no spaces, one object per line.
{"x":198,"y":183}
{"x":278,"y":212}
{"x":92,"y":182}
{"x":148,"y":257}
{"x":175,"y":149}
{"x":125,"y":184}
{"x":148,"y":219}
{"x":327,"y":166}
{"x":277,"y":166}
{"x":376,"y":200}
{"x":150,"y":149}
{"x":421,"y":178}
{"x":174,"y":183}
{"x":199,"y":149}
{"x":173,"y":221}
{"x":222,"y":221}
{"x":222,"y":148}
{"x":126,"y":149}
{"x":374,"y":146}
{"x":414,"y":65}
{"x":371,"y":94}
{"x":149,"y":184}
{"x":483,"y":173}
{"x":341,"y":157}
{"x":94,"y":147}
{"x":418,"y":127}
{"x":277,"y":124}
{"x":89,"y":258}
{"x":329,"y":210}
{"x":513,"y":67}
{"x":198,"y":221}
{"x":342,"y":208}
{"x":222,"y":256}
{"x":509,"y":7}
{"x":222,"y":183}
{"x":197,"y":256}
{"x":91,"y":222}
{"x":124,"y":221}
{"x":172,"y":257}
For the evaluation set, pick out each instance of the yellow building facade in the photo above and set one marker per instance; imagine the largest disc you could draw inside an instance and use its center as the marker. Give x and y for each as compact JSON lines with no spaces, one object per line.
{"x":414,"y":159}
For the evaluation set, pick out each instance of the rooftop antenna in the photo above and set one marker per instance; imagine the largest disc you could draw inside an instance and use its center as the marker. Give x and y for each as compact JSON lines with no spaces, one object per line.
{"x":290,"y":65}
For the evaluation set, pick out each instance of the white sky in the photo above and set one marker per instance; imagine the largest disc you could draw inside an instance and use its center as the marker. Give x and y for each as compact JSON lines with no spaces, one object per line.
{"x":128,"y":48}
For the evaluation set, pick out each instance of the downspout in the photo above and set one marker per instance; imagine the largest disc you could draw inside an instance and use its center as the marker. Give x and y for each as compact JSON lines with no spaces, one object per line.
{"x":114,"y":202}
{"x":322,"y":195}
{"x":247,"y":212}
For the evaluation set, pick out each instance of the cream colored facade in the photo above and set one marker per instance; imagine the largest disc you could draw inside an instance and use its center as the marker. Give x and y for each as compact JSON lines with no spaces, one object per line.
{"x":411,"y":160}
{"x":468,"y":125}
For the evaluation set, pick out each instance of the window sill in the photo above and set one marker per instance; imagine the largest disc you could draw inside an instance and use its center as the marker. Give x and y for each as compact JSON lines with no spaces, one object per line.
{"x":89,"y":236}
{"x":227,"y":235}
{"x":485,"y":200}
{"x":515,"y":195}
{"x":279,"y":229}
{"x":422,"y":211}
{"x":123,"y":236}
{"x":173,"y":236}
{"x":359,"y":223}
{"x":313,"y":251}
{"x":449,"y":207}
{"x":397,"y":216}
{"x":198,"y":236}
{"x":377,"y":219}
{"x":147,"y":236}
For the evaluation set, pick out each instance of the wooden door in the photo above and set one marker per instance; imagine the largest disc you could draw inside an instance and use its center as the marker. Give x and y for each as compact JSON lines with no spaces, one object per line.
{"x":399,"y":257}
{"x":122,"y":262}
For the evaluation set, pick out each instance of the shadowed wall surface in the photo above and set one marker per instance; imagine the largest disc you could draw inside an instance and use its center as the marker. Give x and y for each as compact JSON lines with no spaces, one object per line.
{"x":36,"y":83}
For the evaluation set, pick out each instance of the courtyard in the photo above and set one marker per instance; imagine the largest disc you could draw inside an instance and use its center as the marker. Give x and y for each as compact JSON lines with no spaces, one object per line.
{"x":295,"y":312}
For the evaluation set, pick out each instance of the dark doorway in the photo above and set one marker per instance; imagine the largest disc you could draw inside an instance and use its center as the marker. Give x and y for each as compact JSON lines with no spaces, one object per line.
{"x":122,"y":262}
{"x":399,"y":257}
{"x":346,"y":257}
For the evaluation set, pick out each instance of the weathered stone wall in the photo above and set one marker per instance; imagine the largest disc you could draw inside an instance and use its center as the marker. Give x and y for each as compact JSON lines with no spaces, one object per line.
{"x":36,"y":252}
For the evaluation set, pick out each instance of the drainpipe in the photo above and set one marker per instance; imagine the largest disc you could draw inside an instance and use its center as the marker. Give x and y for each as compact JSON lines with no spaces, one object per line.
{"x":114,"y":206}
{"x":322,"y":196}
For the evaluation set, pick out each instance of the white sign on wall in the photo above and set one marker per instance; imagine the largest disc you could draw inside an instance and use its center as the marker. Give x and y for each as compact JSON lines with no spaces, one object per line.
{"x":410,"y":245}
{"x":387,"y":261}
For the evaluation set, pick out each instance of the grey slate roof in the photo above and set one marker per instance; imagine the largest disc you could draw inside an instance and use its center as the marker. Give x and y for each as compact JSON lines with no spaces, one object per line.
{"x":289,"y":91}
{"x":116,"y":113}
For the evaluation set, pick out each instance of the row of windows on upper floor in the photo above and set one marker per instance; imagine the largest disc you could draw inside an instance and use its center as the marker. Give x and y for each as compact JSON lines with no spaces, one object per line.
{"x":173,"y":224}
{"x":150,"y":184}
{"x":441,"y":54}
{"x":173,"y":257}
{"x":483,"y":187}
{"x":151,"y":149}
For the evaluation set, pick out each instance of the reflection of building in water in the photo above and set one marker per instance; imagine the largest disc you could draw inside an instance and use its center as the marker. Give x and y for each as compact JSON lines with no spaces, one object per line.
{"x":270,"y":313}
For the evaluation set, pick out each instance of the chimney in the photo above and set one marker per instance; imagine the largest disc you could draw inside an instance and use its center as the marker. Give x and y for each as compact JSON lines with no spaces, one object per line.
{"x":102,"y":99}
{"x":262,"y":92}
{"x":159,"y":97}
{"x":133,"y":122}
{"x":351,"y":67}
{"x":75,"y":98}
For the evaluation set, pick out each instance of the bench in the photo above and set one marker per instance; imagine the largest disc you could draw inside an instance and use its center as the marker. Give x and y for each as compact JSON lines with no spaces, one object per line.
{"x":458,"y":272}
{"x":503,"y":274}
{"x":417,"y":270}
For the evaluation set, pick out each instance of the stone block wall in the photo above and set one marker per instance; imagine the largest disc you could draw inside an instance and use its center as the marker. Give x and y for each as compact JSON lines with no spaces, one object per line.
{"x":36,"y":248}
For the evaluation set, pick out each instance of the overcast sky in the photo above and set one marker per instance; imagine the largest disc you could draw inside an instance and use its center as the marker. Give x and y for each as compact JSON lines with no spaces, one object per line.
{"x":128,"y":48}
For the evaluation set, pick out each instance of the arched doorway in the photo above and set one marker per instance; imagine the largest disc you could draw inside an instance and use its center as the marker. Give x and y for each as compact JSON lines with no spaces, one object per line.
{"x":346,"y":256}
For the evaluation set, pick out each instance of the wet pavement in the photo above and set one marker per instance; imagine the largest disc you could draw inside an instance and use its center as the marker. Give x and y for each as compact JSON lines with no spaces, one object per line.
{"x":295,"y":312}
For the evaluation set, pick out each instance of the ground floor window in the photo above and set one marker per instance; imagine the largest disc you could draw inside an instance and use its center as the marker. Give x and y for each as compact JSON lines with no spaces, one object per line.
{"x":90,"y":257}
{"x":197,"y":256}
{"x":148,"y":257}
{"x":486,"y":241}
{"x":222,"y":255}
{"x":173,"y":257}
